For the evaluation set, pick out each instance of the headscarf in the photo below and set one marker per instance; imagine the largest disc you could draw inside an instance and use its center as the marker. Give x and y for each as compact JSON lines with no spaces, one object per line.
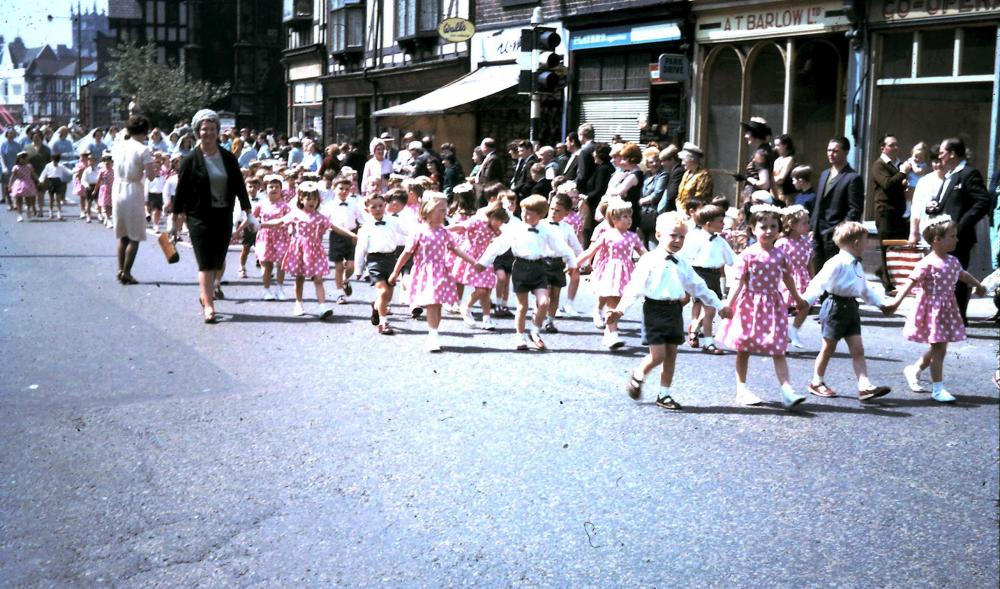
{"x":203,"y":115}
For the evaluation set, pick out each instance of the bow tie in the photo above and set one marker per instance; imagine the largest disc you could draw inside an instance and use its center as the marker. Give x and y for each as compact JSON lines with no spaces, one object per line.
{"x":380,"y":222}
{"x":533,"y":229}
{"x":713,"y":236}
{"x":697,"y":226}
{"x":553,"y":222}
{"x":343,"y":204}
{"x":671,"y":258}
{"x":395,"y":214}
{"x":857,"y":260}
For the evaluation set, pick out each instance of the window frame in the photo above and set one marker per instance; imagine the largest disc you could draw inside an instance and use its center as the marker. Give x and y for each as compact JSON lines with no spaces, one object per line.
{"x":914,"y":77}
{"x":419,"y":7}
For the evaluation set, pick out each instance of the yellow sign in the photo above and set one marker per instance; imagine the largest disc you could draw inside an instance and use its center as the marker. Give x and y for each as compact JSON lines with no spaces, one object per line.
{"x":456,"y":30}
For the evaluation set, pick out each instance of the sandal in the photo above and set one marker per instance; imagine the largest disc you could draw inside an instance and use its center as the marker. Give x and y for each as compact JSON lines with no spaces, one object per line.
{"x":128,"y":279}
{"x":821,"y":390}
{"x":634,"y":387}
{"x":713,"y":350}
{"x":209,"y":316}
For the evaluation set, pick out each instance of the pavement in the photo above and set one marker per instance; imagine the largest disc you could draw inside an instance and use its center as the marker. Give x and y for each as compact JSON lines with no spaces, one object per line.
{"x":141,"y":448}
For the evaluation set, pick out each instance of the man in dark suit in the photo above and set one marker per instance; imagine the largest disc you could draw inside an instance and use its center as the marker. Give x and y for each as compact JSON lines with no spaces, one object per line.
{"x":670,"y":160}
{"x":963,"y":197}
{"x":491,"y":170}
{"x":585,"y":164}
{"x":889,"y":185}
{"x":840,"y":196}
{"x":572,"y":155}
{"x":525,"y":159}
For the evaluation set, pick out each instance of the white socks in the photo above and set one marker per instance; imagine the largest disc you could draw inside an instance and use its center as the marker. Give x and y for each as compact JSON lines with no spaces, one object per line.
{"x":937,"y":387}
{"x":817,"y":380}
{"x":864,"y":384}
{"x":706,"y":341}
{"x":787,"y":389}
{"x":664,"y":392}
{"x":741,"y":387}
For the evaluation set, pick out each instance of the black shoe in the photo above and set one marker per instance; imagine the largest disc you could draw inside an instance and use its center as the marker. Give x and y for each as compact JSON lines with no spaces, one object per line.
{"x":668,"y":403}
{"x":873,"y":393}
{"x":219,"y":295}
{"x":416,"y":312}
{"x":550,"y":328}
{"x":374,"y":317}
{"x":347,"y":288}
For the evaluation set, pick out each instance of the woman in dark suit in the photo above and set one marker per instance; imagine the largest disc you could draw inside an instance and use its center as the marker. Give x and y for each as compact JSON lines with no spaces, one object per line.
{"x":208,"y":183}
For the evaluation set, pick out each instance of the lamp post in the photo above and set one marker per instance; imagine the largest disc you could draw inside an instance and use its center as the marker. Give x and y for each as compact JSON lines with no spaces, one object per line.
{"x":79,"y":51}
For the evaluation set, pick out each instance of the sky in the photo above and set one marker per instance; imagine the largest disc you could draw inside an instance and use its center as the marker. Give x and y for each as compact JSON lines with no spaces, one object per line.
{"x":27,"y":19}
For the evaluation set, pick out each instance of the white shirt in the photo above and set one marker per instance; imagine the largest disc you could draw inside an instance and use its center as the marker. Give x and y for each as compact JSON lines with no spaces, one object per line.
{"x":155,"y":185}
{"x":56,"y":171}
{"x":566,"y":232}
{"x":378,"y":237}
{"x":404,"y":224}
{"x":947,"y":177}
{"x":530,"y":243}
{"x":925,"y":191}
{"x":842,"y":275}
{"x":662,"y":276}
{"x":169,"y":187}
{"x":707,"y":250}
{"x":346,"y":213}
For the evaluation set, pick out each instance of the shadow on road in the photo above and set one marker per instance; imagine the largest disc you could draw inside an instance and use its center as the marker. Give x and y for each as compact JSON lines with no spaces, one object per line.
{"x":59,"y":256}
{"x":808,"y":410}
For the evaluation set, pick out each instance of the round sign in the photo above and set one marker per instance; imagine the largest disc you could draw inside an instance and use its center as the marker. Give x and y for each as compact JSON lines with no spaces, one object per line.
{"x":456,"y":30}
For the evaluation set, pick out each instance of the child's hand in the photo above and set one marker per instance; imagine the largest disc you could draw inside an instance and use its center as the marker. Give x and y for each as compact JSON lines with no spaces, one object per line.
{"x":980,"y":291}
{"x":726,"y":313}
{"x":479,"y":268}
{"x":887,"y":309}
{"x":614,"y":314}
{"x":392,"y":279}
{"x":802,"y":306}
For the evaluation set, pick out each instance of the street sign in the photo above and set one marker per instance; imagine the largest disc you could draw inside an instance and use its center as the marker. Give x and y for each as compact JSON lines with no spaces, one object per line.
{"x":673,"y":67}
{"x":456,"y":30}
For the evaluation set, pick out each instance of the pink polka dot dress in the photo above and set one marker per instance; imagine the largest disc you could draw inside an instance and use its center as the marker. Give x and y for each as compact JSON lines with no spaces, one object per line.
{"x":612,"y":276}
{"x":798,"y":251}
{"x":105,"y":180}
{"x":760,"y":318}
{"x":272,"y":242}
{"x":575,"y":220}
{"x":432,"y":282}
{"x":306,"y":255}
{"x":478,"y":235}
{"x":936,"y":318}
{"x":21,"y":181}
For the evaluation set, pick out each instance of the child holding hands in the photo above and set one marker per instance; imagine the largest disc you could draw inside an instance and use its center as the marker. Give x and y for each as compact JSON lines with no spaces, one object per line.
{"x":936,"y":319}
{"x":664,"y":279}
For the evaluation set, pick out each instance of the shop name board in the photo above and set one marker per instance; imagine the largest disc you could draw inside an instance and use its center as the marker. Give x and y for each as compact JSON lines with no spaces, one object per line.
{"x":456,"y":30}
{"x":624,"y":35}
{"x":502,"y":45}
{"x":775,"y":21}
{"x":910,"y":10}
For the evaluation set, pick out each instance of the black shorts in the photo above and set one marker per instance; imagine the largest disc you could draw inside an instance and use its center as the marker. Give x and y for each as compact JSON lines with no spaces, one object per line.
{"x":505,"y":262}
{"x":55,"y":185}
{"x":712,"y":278}
{"x":249,"y":236}
{"x":839,"y":317}
{"x":91,"y":193}
{"x":555,"y":272}
{"x":154,"y":200}
{"x":529,"y":275}
{"x":341,"y":249}
{"x":380,"y":267}
{"x":409,"y":263}
{"x":662,"y":322}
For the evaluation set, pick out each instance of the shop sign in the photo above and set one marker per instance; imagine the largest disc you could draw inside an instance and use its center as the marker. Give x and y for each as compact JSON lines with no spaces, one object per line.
{"x":624,"y":35}
{"x":456,"y":30}
{"x":903,"y":11}
{"x":777,"y":20}
{"x":672,"y":67}
{"x":493,"y":46}
{"x":305,"y":71}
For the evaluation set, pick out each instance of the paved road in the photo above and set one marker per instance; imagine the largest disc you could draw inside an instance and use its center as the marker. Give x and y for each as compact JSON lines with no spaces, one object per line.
{"x":141,"y":448}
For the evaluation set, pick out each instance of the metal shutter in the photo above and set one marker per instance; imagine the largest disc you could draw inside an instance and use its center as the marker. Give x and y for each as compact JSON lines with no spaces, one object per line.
{"x":614,"y":114}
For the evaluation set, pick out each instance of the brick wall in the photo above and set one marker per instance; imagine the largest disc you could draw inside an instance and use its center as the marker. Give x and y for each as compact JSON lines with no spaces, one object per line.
{"x":490,"y":14}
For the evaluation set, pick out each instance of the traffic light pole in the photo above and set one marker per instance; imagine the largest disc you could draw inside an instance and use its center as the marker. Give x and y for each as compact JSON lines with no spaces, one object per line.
{"x":536,"y":115}
{"x":536,"y":100}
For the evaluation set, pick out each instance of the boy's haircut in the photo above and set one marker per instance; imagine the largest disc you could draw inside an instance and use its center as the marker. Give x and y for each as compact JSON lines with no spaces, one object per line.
{"x":339,"y":180}
{"x":415,"y":186}
{"x":848,"y":232}
{"x":708,"y":213}
{"x":721,"y":201}
{"x":506,"y":194}
{"x":536,"y":204}
{"x":56,"y":157}
{"x":564,"y":201}
{"x":671,"y":220}
{"x":537,"y":168}
{"x":253,"y":180}
{"x":804,"y":173}
{"x":495,"y":210}
{"x":329,"y":175}
{"x":373,"y":197}
{"x":618,"y":208}
{"x":492,"y":190}
{"x":936,"y":227}
{"x":691,"y":205}
{"x":397,"y":195}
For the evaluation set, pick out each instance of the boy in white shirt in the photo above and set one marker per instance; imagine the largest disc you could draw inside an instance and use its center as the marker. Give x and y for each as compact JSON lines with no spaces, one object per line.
{"x":378,"y":239}
{"x":843,"y":280}
{"x":56,"y":177}
{"x":561,"y":206}
{"x":708,"y":253}
{"x":530,"y":241}
{"x":664,"y":279}
{"x":154,"y":192}
{"x":344,"y":212}
{"x":169,"y":188}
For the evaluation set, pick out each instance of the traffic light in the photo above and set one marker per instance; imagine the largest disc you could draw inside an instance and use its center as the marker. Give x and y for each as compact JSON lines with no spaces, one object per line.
{"x":542,"y":68}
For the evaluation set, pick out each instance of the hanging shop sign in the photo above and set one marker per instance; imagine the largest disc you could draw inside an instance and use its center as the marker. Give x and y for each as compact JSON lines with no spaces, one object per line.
{"x":906,"y":11}
{"x":624,"y":35}
{"x":456,"y":30}
{"x":776,"y":20}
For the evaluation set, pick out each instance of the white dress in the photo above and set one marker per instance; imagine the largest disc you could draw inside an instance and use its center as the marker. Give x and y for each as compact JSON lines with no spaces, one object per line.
{"x":127,"y":193}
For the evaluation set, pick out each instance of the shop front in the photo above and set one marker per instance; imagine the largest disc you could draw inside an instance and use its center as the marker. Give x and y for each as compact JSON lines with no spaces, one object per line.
{"x":613,"y":88}
{"x":305,"y":98}
{"x":936,"y":74}
{"x":787,"y":64}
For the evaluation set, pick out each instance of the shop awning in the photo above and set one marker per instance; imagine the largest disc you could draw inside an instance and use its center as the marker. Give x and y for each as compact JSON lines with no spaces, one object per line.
{"x":483,"y":82}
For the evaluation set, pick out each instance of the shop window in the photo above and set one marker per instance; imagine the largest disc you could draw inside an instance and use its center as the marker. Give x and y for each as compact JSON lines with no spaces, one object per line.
{"x":979,"y":49}
{"x":346,"y":25}
{"x":417,"y":16}
{"x":611,"y":73}
{"x":937,"y":52}
{"x":722,"y":140}
{"x":616,"y":72}
{"x":589,"y":75}
{"x":897,"y":55}
{"x":767,"y":86}
{"x":637,"y":77}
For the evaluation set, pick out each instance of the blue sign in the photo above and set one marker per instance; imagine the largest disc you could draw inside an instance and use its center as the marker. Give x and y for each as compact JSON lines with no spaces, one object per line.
{"x":624,"y":35}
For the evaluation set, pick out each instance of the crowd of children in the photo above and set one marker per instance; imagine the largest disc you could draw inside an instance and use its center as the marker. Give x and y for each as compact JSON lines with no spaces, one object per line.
{"x":452,"y":255}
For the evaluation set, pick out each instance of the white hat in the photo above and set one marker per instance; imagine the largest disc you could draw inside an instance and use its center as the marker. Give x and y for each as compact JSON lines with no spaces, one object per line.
{"x":692,"y":149}
{"x":294,"y":140}
{"x":202,"y":115}
{"x":415,"y":145}
{"x":273,"y":178}
{"x":308,"y":186}
{"x":762,"y":196}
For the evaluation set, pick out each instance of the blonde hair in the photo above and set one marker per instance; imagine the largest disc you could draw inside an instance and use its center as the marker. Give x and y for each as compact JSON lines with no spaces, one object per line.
{"x":848,"y":232}
{"x":618,"y":208}
{"x":429,"y":203}
{"x":789,"y":219}
{"x":671,"y":220}
{"x":536,"y":204}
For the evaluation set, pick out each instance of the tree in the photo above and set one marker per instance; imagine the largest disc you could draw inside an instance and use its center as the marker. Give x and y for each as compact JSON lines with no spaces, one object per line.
{"x":161,"y":91}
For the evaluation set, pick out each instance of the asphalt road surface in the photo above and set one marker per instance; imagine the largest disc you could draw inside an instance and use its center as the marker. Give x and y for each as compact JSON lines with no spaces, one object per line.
{"x":141,"y":448}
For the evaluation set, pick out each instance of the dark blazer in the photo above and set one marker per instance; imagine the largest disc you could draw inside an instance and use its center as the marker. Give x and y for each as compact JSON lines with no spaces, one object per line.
{"x":491,"y":170}
{"x":571,"y":165}
{"x":843,"y":200}
{"x":585,"y":167}
{"x":194,"y":193}
{"x":888,"y":190}
{"x":522,"y":173}
{"x":966,"y":202}
{"x":599,"y":183}
{"x":453,"y":176}
{"x":669,"y":200}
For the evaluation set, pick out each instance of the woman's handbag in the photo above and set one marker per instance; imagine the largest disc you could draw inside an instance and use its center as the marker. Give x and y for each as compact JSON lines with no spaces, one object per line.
{"x":169,"y":249}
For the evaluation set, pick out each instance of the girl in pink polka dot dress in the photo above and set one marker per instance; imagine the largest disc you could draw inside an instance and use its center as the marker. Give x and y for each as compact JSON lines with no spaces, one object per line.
{"x":479,"y":232}
{"x":797,"y":247}
{"x":306,"y":256}
{"x":105,"y":180}
{"x":936,"y":319}
{"x":431,"y":283}
{"x":759,"y":323}
{"x":609,"y":279}
{"x":272,"y":242}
